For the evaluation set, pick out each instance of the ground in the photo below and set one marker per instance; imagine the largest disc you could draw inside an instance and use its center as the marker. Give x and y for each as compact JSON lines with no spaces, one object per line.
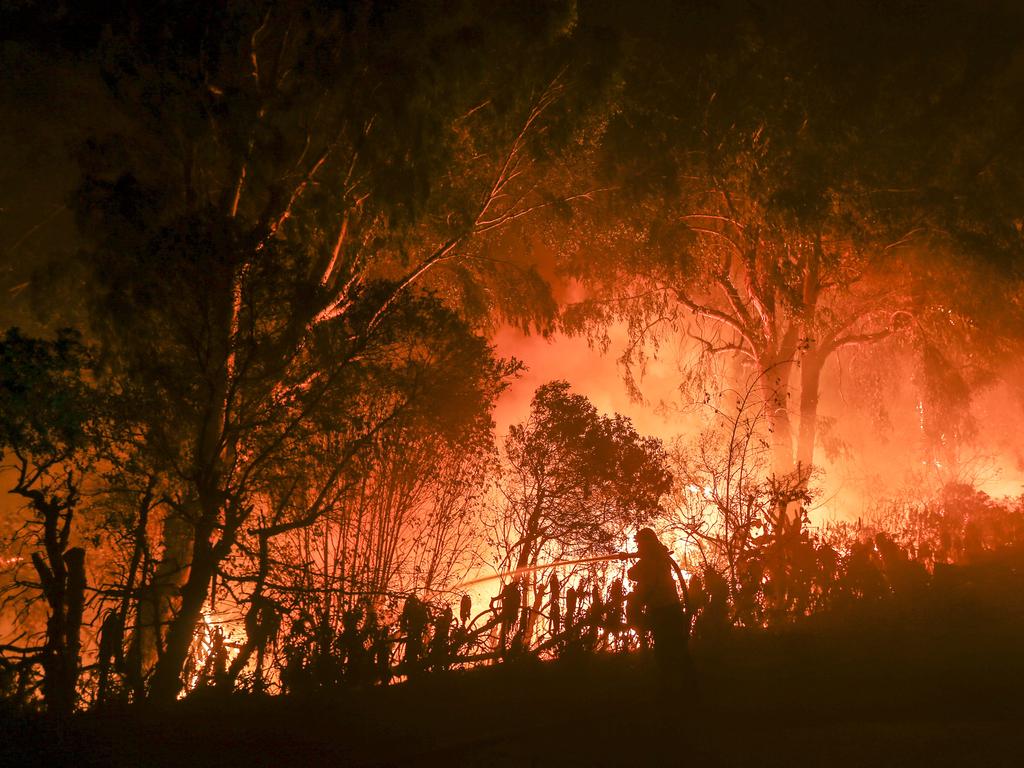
{"x":876,"y":693}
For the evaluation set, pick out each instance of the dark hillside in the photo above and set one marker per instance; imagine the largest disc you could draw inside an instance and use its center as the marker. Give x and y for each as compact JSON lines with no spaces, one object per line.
{"x":882,"y":691}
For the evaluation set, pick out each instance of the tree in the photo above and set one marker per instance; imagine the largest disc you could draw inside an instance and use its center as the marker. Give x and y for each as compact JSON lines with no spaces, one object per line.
{"x":286,"y":179}
{"x":718,"y":501}
{"x":775,"y":212}
{"x":337,"y":528}
{"x":55,"y":427}
{"x":574,"y":482}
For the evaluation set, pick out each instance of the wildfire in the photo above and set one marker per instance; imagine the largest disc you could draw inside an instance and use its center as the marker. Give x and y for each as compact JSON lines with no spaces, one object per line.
{"x":214,"y":645}
{"x":706,"y":491}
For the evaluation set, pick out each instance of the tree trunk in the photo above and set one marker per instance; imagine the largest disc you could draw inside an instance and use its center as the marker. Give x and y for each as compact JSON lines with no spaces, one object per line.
{"x":74,"y":561}
{"x":63,"y":580}
{"x":166,"y":684}
{"x":775,"y":394}
{"x":208,"y":480}
{"x":253,"y":619}
{"x":531,"y":608}
{"x":156,"y":610}
{"x":810,"y":381}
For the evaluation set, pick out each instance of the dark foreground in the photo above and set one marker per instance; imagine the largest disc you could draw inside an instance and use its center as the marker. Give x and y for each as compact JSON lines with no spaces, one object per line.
{"x":879,"y":694}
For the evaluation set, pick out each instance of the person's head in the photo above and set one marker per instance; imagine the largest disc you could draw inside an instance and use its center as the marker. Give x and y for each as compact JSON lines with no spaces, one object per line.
{"x":647,"y":541}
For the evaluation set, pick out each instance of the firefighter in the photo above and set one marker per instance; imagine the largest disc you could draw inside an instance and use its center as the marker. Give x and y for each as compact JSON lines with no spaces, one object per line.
{"x":656,"y":606}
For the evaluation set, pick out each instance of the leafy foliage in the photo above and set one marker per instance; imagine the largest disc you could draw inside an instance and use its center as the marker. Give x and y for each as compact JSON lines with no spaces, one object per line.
{"x":577,"y":478}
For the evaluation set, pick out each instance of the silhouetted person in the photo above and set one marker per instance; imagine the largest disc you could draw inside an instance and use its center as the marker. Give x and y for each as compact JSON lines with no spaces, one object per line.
{"x":657,"y":601}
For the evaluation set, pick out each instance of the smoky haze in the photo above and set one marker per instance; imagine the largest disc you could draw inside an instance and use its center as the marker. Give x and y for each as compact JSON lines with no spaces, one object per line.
{"x":477,"y":373}
{"x":873,"y":449}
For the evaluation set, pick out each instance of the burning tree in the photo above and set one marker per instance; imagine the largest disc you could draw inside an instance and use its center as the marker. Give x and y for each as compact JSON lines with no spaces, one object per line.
{"x":744,"y":523}
{"x":769,"y":212}
{"x":283,"y":181}
{"x":354,"y":519}
{"x":719,"y":501}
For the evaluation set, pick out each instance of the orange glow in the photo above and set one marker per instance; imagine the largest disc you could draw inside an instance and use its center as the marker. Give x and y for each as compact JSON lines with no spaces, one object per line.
{"x":205,"y":644}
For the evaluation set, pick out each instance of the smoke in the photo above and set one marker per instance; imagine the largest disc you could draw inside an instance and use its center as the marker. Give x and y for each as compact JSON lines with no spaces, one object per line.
{"x":870,"y":444}
{"x":597,"y":375}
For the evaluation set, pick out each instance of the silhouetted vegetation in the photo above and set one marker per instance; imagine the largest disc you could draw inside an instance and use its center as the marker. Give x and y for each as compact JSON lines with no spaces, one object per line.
{"x":248,"y":395}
